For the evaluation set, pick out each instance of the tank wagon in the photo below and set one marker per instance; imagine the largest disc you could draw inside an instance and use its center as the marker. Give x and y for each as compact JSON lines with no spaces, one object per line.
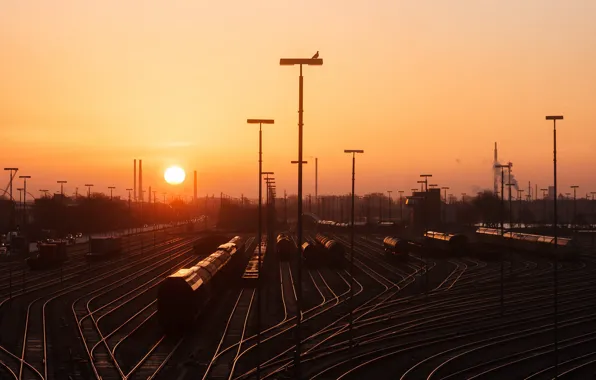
{"x":285,"y":247}
{"x":101,"y":248}
{"x":566,"y":248}
{"x":251,"y":273}
{"x":311,"y":255}
{"x":182,"y":295}
{"x":451,"y":244}
{"x":397,"y":247}
{"x":331,"y":252}
{"x":50,"y":255}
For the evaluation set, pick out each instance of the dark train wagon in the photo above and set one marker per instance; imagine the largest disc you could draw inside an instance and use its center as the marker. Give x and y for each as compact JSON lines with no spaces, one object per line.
{"x":251,"y":272}
{"x":450,"y":244}
{"x":101,"y":248}
{"x":335,"y":254}
{"x":285,"y":247}
{"x":311,"y":255}
{"x":50,"y":255}
{"x":184,"y":294}
{"x":396,"y":247}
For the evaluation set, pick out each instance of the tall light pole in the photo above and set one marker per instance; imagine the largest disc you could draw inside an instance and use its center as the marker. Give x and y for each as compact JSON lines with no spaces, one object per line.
{"x":111,"y":192}
{"x":389,"y":192}
{"x":401,"y":206}
{"x":544,"y":192}
{"x":445,"y":188}
{"x":314,"y":61}
{"x":353,"y":153}
{"x":426,"y":177}
{"x":555,"y":274}
{"x":24,"y":177}
{"x":574,"y":187}
{"x":463,"y":197}
{"x":13,"y":172}
{"x":502,"y":167}
{"x":45,"y":192}
{"x":421,"y":185}
{"x":61,"y":182}
{"x":89,"y":186}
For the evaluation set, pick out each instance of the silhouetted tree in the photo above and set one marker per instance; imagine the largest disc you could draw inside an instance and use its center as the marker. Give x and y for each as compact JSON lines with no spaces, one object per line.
{"x":488,"y":208}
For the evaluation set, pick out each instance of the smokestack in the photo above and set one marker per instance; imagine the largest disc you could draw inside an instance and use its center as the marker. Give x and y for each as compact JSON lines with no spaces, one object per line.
{"x":195,"y":189}
{"x":134,"y":191}
{"x":141,"y":180}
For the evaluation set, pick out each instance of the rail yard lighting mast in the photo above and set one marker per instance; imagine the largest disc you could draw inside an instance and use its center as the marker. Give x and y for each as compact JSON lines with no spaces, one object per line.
{"x":426,"y":177}
{"x":544,"y":197}
{"x":554,"y":118}
{"x":389,"y":192}
{"x":89,"y":186}
{"x":62,"y":182}
{"x":401,"y":206}
{"x":445,"y":188}
{"x":353,"y":152}
{"x":574,"y":187}
{"x":13,"y":172}
{"x":421,"y":186}
{"x":112,"y":192}
{"x":25,"y":177}
{"x":314,"y":61}
{"x":502,"y":217}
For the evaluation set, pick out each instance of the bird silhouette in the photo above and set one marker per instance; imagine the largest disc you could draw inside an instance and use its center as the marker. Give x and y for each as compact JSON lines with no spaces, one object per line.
{"x":316,"y":55}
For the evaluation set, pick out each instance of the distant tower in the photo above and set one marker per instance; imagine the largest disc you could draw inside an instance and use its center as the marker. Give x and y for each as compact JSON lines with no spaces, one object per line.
{"x":134,"y":192}
{"x":141,"y":180}
{"x":495,"y":174}
{"x":195,"y":188}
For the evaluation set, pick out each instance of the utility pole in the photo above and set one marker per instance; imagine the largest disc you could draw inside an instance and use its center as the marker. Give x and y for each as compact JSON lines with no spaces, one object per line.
{"x":389,"y":192}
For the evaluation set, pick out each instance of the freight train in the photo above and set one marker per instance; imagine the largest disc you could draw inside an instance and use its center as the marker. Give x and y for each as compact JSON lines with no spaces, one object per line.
{"x":285,"y":247}
{"x":566,"y":248}
{"x":184,"y":294}
{"x":330,"y":252}
{"x":101,"y":248}
{"x":49,"y":255}
{"x":445,"y":243}
{"x":400,"y":248}
{"x":207,"y":244}
{"x":252,"y":273}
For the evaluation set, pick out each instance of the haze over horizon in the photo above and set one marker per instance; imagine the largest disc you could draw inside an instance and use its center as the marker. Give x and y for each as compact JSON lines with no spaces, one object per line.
{"x":422,"y":87}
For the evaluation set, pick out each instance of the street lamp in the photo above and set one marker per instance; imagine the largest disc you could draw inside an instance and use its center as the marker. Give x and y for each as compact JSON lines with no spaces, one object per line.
{"x":544,"y":191}
{"x":13,"y":172}
{"x":574,"y":187}
{"x":421,"y":185}
{"x":353,"y":153}
{"x":389,"y":192}
{"x":24,"y":177}
{"x":45,"y":192}
{"x":555,"y":274}
{"x":112,"y":189}
{"x":62,"y":182}
{"x":426,"y":177}
{"x":314,"y":61}
{"x":445,"y":214}
{"x":401,"y":206}
{"x":89,"y":185}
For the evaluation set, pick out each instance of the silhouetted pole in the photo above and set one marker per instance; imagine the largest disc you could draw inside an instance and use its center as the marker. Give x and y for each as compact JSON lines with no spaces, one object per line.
{"x":421,"y":186}
{"x":544,"y":191}
{"x":502,"y":217}
{"x":317,"y":185}
{"x":426,"y":177}
{"x":89,"y":185}
{"x":12,"y":173}
{"x":555,"y":258}
{"x":286,"y":207}
{"x":24,"y":177}
{"x":389,"y":192}
{"x":574,"y":187}
{"x":111,"y":192}
{"x":353,"y":152}
{"x":62,"y":182}
{"x":291,"y":62}
{"x":401,"y":206}
{"x":445,"y":212}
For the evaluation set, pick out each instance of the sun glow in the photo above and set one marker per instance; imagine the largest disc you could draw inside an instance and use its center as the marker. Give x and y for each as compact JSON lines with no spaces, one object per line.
{"x":174,"y":175}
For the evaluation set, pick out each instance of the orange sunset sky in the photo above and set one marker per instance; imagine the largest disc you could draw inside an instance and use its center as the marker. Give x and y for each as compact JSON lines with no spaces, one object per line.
{"x":422,"y":86}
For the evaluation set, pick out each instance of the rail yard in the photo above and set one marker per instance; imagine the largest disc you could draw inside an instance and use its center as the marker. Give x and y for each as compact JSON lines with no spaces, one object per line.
{"x":170,"y":304}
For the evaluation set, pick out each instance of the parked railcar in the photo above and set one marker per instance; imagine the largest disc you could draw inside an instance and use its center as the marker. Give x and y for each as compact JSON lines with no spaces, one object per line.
{"x":285,"y":247}
{"x":335,"y":253}
{"x":311,"y":255}
{"x":396,"y":247}
{"x":104,"y":247}
{"x":182,"y":295}
{"x":49,"y":255}
{"x":451,"y":244}
{"x":565,"y":249}
{"x":251,"y":272}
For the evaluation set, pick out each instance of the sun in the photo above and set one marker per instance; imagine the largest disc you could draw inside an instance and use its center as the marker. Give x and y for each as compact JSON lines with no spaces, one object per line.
{"x":174,"y":175}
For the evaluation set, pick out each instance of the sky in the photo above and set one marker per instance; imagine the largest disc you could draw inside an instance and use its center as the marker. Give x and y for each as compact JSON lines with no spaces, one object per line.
{"x":421,"y":86}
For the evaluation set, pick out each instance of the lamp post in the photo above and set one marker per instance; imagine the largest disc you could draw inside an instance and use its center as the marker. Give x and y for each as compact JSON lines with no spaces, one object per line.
{"x":544,"y":192}
{"x":421,"y":185}
{"x":574,"y":187}
{"x":502,"y":217}
{"x":13,"y":172}
{"x":89,"y":186}
{"x":62,"y":182}
{"x":401,"y":206}
{"x":45,"y":192}
{"x":112,"y":189}
{"x":426,"y":177}
{"x":389,"y":192}
{"x":353,"y":153}
{"x":555,"y":274}
{"x":24,"y":177}
{"x":463,"y":197}
{"x":445,"y":213}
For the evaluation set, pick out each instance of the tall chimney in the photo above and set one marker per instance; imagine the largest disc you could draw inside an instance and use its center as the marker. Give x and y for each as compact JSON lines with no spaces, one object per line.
{"x":134,"y":191}
{"x":141,"y":180}
{"x":195,"y":190}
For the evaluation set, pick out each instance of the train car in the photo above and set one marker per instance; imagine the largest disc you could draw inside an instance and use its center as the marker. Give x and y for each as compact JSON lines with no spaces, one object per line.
{"x":49,"y":255}
{"x":335,"y":253}
{"x":285,"y":247}
{"x":396,"y":247}
{"x":184,"y":294}
{"x":311,"y":255}
{"x":101,"y":248}
{"x":451,"y":244}
{"x":251,"y":272}
{"x":489,"y":236}
{"x":565,"y":249}
{"x":208,"y":244}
